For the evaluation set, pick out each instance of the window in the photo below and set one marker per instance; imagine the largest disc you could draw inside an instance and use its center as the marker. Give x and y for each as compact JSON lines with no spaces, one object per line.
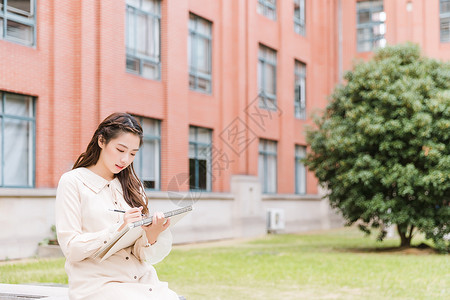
{"x":267,"y":166}
{"x":300,"y":170}
{"x":267,"y":73}
{"x":300,"y":90}
{"x":299,"y":17}
{"x":17,"y":140}
{"x":143,"y":37}
{"x":445,"y":20}
{"x":147,"y":161}
{"x":268,"y":8}
{"x":370,"y":25}
{"x":17,"y":21}
{"x":200,"y":158}
{"x":199,"y":54}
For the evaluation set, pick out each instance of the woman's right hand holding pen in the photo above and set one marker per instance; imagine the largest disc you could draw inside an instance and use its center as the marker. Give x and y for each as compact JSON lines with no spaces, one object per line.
{"x":132,"y":215}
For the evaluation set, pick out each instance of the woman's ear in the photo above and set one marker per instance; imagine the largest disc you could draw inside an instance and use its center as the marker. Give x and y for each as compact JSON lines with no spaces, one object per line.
{"x":101,"y":141}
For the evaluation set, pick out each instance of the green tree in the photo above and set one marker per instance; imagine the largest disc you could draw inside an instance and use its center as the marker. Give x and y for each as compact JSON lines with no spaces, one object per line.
{"x":382,"y":147}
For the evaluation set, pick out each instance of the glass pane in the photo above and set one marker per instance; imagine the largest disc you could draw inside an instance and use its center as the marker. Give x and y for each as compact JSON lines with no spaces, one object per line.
{"x":364,"y":34}
{"x":1,"y":28}
{"x":379,"y":43}
{"x":155,"y":38}
{"x":300,"y":178}
{"x":150,"y":6}
{"x":204,"y":135}
{"x":364,"y":46}
{"x":137,"y":163}
{"x":202,"y":174}
{"x":130,"y":32}
{"x":149,"y":156}
{"x":18,"y":105}
{"x":445,"y":30}
{"x":203,"y":56}
{"x":203,"y":84}
{"x":192,"y":173}
{"x":271,"y":147}
{"x":150,"y":70}
{"x":270,"y":75}
{"x":192,"y":152}
{"x":133,"y":64}
{"x":363,"y":17}
{"x":192,"y":133}
{"x":203,"y":27}
{"x":203,"y":152}
{"x":19,"y":31}
{"x":445,"y":6}
{"x":22,"y":7}
{"x":300,"y":151}
{"x":379,"y":16}
{"x":135,"y":3}
{"x":271,"y":174}
{"x":192,"y":82}
{"x":262,"y":145}
{"x":192,"y":22}
{"x":141,"y":34}
{"x":261,"y":170}
{"x":17,"y":152}
{"x":150,"y":127}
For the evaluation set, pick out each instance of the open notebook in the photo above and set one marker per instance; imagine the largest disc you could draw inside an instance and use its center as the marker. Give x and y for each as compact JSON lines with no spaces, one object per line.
{"x":129,"y":234}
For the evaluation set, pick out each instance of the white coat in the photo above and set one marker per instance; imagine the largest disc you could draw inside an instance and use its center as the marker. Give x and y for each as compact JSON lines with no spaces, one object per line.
{"x":84,"y":223}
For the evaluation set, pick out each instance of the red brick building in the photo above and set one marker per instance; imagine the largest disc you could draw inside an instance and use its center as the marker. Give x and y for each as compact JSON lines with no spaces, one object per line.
{"x":223,"y":88}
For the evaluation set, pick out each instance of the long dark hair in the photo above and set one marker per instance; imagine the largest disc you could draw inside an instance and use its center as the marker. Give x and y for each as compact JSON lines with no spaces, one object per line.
{"x":111,"y":127}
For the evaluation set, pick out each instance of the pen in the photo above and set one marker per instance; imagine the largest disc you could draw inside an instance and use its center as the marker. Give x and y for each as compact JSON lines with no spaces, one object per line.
{"x":121,"y":211}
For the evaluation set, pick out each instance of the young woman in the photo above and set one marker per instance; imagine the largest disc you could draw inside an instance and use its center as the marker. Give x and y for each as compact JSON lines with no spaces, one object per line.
{"x":103,"y":178}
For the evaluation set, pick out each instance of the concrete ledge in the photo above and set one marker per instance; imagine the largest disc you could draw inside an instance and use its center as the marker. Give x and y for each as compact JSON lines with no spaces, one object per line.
{"x":290,"y":197}
{"x":27,"y":193}
{"x":23,"y":291}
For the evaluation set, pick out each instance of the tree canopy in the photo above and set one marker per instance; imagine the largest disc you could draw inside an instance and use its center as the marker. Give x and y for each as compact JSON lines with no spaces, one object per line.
{"x":382,"y":146}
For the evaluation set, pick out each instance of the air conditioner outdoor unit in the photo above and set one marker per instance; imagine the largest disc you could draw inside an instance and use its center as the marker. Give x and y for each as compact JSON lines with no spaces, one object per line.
{"x":275,"y":219}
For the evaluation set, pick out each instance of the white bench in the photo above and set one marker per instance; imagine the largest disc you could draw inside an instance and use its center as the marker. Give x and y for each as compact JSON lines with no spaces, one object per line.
{"x":44,"y":292}
{"x":25,"y":292}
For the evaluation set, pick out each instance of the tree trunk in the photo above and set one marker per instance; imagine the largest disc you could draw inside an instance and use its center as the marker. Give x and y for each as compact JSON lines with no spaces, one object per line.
{"x":405,"y":232}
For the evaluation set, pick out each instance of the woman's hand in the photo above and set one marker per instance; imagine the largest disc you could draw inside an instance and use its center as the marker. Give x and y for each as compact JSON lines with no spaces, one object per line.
{"x":159,"y":224}
{"x":132,"y":215}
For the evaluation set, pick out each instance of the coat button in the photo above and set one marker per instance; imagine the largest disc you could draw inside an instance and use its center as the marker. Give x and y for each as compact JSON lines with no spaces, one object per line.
{"x":115,"y":202}
{"x":150,"y":289}
{"x":127,"y":258}
{"x":107,"y":185}
{"x":135,"y":277}
{"x":104,"y":242}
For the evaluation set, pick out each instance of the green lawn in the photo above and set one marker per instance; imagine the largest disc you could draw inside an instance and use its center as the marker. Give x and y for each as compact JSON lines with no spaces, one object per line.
{"x":338,"y":264}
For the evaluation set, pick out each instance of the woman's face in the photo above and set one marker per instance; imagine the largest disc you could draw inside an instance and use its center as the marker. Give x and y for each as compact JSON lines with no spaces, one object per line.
{"x":119,"y":153}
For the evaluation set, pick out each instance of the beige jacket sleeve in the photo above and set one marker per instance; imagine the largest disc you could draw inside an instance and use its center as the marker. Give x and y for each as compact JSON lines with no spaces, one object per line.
{"x":75,"y":244}
{"x":156,"y":252}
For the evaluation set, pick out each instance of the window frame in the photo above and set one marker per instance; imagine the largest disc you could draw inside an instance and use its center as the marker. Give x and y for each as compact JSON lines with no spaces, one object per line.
{"x":131,"y":53}
{"x":194,"y":142}
{"x":265,"y":6}
{"x":373,"y":9}
{"x":265,"y":154}
{"x":264,"y":96}
{"x":32,"y":140}
{"x":140,"y":153}
{"x":15,"y":16}
{"x":195,"y":37}
{"x":444,"y":15}
{"x":297,"y":164}
{"x":299,"y":22}
{"x":299,"y":109}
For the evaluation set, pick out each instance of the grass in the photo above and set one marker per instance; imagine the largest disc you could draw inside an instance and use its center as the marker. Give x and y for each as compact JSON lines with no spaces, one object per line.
{"x":338,"y":264}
